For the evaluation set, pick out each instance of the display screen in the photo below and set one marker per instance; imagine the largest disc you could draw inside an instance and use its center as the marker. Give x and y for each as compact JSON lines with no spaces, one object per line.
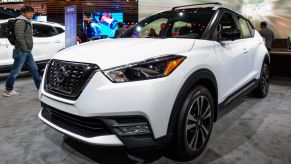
{"x":40,"y":18}
{"x":277,"y":13}
{"x":71,"y":25}
{"x":102,"y":24}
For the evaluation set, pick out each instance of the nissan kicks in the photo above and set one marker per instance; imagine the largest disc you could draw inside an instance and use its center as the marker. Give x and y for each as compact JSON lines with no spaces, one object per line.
{"x":145,"y":91}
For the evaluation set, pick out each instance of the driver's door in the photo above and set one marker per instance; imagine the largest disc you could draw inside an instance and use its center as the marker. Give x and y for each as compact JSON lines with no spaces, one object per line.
{"x":233,"y":57}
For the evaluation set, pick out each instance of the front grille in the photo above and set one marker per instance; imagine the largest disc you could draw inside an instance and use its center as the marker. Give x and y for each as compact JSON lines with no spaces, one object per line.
{"x":68,"y":79}
{"x":83,"y":126}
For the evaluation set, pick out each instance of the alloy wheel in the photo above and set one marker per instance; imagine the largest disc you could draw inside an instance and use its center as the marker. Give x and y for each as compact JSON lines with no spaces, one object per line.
{"x":198,"y":123}
{"x":265,"y":79}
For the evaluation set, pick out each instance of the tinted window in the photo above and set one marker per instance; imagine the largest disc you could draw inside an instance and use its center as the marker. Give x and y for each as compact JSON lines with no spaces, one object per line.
{"x":226,"y":23}
{"x":40,"y":30}
{"x":246,"y":33}
{"x":152,"y":29}
{"x":2,"y":30}
{"x":59,"y":30}
{"x":188,"y":23}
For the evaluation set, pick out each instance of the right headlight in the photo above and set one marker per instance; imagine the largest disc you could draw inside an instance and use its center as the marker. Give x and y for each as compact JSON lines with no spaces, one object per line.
{"x":145,"y":70}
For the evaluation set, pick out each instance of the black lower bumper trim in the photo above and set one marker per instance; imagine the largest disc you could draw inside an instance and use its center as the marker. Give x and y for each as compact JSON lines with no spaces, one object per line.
{"x":86,"y":127}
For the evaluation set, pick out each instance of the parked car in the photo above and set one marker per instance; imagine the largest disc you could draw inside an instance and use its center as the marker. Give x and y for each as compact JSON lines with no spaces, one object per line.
{"x":49,"y":38}
{"x":142,"y":92}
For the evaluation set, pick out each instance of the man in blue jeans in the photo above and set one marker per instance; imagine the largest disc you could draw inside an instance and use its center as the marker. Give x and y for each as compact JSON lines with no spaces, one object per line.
{"x":22,"y":51}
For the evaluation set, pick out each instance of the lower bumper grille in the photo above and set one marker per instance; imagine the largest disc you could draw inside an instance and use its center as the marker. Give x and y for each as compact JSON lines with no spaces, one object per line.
{"x":83,"y":126}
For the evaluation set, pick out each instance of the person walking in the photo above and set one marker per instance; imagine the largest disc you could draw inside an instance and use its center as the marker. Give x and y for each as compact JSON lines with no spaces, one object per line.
{"x":267,"y":34}
{"x":22,"y":51}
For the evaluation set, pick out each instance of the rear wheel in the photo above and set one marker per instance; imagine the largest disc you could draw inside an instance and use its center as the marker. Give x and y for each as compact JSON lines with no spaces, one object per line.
{"x":194,"y":125}
{"x":263,"y":88}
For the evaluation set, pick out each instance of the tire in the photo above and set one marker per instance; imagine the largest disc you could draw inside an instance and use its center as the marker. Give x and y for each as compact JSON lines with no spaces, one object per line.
{"x":263,"y":88}
{"x":188,"y":144}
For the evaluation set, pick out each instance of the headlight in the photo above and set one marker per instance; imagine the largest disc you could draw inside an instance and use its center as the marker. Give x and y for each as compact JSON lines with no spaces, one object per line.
{"x":145,"y":70}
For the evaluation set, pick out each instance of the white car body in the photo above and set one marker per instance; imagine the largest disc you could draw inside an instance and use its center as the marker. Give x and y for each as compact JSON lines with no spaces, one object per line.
{"x":234,"y":64}
{"x":43,"y":49}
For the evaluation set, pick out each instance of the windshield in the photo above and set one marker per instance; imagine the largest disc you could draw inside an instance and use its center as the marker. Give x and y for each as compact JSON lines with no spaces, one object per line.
{"x":189,"y":23}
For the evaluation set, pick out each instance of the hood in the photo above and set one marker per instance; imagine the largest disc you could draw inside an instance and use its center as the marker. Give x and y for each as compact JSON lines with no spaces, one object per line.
{"x":110,"y":53}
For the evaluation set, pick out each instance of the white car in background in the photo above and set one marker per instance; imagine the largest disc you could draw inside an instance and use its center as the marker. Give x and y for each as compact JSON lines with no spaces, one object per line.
{"x":49,"y":38}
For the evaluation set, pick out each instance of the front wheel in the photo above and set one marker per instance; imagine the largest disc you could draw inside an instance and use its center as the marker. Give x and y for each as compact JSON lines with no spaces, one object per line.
{"x":194,"y":124}
{"x":263,"y":88}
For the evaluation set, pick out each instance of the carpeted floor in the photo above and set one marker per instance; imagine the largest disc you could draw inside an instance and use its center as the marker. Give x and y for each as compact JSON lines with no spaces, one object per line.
{"x":254,"y":131}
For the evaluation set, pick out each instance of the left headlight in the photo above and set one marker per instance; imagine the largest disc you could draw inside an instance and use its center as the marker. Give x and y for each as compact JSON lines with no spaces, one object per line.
{"x":145,"y":70}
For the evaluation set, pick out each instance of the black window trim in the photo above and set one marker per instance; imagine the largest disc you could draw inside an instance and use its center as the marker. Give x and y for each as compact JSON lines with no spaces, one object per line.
{"x":251,"y":27}
{"x":209,"y":32}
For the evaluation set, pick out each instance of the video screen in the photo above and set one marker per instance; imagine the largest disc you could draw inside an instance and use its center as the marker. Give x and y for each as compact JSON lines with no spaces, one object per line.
{"x":102,"y":24}
{"x":40,"y":18}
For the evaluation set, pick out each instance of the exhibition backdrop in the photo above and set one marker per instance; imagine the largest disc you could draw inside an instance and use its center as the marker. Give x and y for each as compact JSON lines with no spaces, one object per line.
{"x":277,"y":13}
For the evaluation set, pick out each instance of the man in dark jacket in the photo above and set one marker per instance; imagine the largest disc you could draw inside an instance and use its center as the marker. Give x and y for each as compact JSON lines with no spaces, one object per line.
{"x":267,"y":34}
{"x":22,"y":51}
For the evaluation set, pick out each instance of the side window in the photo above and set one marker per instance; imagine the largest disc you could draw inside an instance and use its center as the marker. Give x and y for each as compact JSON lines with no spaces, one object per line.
{"x":59,"y":30}
{"x":152,"y":29}
{"x":40,"y":30}
{"x":226,"y":24}
{"x":186,"y":29}
{"x":246,"y":33}
{"x":2,"y":30}
{"x":181,"y":28}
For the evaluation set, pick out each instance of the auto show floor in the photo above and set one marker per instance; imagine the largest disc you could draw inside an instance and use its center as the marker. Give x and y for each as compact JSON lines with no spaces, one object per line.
{"x":253,"y":131}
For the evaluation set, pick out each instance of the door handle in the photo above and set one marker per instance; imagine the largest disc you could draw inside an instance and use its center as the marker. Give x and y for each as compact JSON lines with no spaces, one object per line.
{"x":57,"y":41}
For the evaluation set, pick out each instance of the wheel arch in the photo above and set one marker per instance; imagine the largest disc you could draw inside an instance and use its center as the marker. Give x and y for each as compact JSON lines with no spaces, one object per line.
{"x":202,"y":77}
{"x":267,"y":59}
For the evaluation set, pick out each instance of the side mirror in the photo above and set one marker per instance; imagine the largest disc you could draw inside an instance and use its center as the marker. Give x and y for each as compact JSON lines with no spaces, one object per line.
{"x":229,"y":34}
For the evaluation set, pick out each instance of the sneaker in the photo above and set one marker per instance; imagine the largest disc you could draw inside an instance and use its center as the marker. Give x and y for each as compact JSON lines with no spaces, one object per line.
{"x":11,"y":93}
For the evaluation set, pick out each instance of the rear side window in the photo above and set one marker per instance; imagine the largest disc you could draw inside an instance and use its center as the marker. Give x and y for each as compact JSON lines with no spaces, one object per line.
{"x":40,"y":30}
{"x":246,"y":33}
{"x":2,"y":30}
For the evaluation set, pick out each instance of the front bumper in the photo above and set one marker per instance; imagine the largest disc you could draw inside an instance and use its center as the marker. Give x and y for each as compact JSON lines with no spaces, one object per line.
{"x":104,"y":140}
{"x":151,"y":99}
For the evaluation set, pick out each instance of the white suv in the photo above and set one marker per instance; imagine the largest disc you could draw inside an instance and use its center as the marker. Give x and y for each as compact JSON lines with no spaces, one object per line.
{"x":49,"y":38}
{"x":156,"y":90}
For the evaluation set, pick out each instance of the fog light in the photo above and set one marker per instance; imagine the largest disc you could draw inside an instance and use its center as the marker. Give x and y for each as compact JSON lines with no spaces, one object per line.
{"x":133,"y":130}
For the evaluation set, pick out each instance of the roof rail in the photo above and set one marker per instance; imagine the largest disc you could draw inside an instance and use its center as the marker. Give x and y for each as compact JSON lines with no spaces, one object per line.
{"x":199,"y":4}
